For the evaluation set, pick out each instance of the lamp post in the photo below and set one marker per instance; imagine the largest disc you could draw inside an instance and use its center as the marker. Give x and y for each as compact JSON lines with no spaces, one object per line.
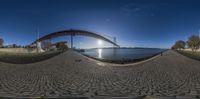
{"x":37,"y":44}
{"x":199,"y":33}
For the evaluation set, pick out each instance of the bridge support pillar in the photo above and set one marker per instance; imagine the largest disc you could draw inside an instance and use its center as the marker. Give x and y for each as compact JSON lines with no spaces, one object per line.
{"x":71,"y":41}
{"x":115,"y":41}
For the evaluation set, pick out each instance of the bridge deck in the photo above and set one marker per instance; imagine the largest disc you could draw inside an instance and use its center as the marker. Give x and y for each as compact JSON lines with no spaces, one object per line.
{"x":73,"y":33}
{"x":71,"y":74}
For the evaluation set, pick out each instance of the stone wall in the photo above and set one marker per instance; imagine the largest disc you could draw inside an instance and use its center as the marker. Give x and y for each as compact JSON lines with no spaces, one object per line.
{"x":19,"y":50}
{"x":188,"y":49}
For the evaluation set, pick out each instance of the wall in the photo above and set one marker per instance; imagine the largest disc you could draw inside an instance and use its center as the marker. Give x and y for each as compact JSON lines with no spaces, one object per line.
{"x":19,"y":50}
{"x":188,"y":49}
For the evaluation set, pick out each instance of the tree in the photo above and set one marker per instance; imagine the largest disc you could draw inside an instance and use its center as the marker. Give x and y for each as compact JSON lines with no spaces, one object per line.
{"x":179,"y":45}
{"x":46,"y":44}
{"x":1,"y":42}
{"x":61,"y":46}
{"x":174,"y":47}
{"x":14,"y":45}
{"x":193,"y":42}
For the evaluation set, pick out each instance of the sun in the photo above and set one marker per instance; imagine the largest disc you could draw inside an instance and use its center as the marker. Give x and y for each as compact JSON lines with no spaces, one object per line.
{"x":99,"y":42}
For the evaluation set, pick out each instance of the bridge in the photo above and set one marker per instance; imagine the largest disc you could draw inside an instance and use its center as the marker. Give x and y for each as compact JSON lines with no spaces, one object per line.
{"x":73,"y":33}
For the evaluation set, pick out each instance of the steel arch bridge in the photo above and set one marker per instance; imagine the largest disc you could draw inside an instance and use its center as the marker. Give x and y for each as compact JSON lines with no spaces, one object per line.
{"x":74,"y":33}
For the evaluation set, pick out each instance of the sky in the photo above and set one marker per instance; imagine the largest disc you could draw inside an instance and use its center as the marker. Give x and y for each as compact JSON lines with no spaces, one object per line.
{"x":135,"y":23}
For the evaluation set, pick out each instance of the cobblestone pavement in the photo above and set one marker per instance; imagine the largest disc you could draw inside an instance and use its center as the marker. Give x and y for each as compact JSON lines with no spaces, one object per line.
{"x":71,"y":74}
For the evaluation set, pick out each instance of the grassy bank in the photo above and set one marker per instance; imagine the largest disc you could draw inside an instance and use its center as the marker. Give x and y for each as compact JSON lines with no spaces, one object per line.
{"x":190,"y":54}
{"x":25,"y":58}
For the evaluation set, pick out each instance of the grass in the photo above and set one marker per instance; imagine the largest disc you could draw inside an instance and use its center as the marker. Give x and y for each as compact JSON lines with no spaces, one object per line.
{"x":190,"y":54}
{"x":25,"y":58}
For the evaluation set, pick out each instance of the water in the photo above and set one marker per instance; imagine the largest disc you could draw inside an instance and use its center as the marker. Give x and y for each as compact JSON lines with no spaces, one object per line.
{"x":122,"y":53}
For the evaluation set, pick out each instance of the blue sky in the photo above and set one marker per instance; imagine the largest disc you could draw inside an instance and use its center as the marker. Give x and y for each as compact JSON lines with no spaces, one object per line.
{"x":135,"y":23}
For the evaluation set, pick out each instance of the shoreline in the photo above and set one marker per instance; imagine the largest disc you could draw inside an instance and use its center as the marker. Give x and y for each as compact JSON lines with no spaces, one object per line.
{"x":123,"y":62}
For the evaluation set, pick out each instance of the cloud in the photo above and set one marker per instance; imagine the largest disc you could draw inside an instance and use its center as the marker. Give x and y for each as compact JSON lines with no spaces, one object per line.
{"x":137,"y":9}
{"x":142,"y":41}
{"x":107,"y":19}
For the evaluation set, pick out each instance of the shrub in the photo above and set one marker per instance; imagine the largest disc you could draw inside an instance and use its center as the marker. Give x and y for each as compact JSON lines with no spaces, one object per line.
{"x":61,"y":46}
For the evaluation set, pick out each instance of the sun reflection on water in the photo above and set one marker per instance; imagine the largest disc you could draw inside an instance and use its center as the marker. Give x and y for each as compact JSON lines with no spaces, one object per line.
{"x":99,"y":53}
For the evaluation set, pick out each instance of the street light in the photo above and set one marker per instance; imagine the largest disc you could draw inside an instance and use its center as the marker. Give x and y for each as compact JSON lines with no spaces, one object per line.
{"x":199,"y":33}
